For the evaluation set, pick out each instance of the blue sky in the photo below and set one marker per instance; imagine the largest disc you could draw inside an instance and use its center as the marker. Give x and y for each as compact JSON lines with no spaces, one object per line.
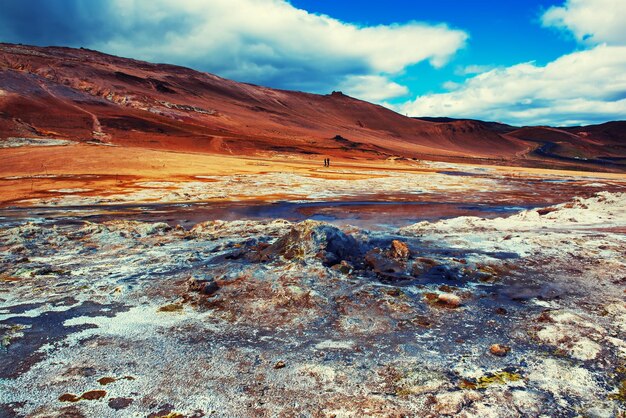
{"x":502,"y":33}
{"x":559,"y":62}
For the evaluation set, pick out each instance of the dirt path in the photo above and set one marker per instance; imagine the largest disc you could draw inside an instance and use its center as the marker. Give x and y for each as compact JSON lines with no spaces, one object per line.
{"x":96,"y":130}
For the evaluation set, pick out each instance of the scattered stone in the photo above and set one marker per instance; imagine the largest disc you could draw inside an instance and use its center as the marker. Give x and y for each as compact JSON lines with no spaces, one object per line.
{"x":545,"y":211}
{"x":106,"y":380}
{"x":172,"y":307}
{"x":69,"y":397}
{"x":399,"y":250}
{"x":344,"y":267}
{"x":422,"y":321}
{"x":499,"y":350}
{"x":379,"y":262}
{"x":93,"y":395}
{"x":422,"y":265}
{"x":395,"y":292}
{"x":205,"y":287}
{"x":449,"y":300}
{"x":447,"y":288}
{"x":119,"y":403}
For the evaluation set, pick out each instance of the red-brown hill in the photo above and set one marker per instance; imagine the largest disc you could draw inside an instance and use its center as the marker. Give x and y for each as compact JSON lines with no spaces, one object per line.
{"x":85,"y":95}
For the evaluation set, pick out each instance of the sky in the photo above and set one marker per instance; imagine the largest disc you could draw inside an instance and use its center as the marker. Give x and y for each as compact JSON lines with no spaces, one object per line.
{"x":523,"y":62}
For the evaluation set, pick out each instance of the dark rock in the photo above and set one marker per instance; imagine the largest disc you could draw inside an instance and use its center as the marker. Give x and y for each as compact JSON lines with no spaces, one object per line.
{"x":164,"y":410}
{"x":379,"y":262}
{"x":545,"y":211}
{"x":310,"y":239}
{"x":423,"y":265}
{"x":344,"y":267}
{"x":209,"y":288}
{"x":69,"y":397}
{"x":204,"y":287}
{"x":119,"y":403}
{"x":106,"y":380}
{"x":93,"y":395}
{"x":501,"y":311}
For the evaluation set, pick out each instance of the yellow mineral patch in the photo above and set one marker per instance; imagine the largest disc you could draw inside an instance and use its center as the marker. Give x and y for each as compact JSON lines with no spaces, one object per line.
{"x":172,"y":307}
{"x":498,"y":378}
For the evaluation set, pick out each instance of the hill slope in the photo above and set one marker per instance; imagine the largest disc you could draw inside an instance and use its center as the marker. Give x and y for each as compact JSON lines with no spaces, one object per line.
{"x":85,"y":95}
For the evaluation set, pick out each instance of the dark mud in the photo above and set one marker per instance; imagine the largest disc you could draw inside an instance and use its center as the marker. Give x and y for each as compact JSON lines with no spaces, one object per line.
{"x":365,"y":214}
{"x":44,"y":328}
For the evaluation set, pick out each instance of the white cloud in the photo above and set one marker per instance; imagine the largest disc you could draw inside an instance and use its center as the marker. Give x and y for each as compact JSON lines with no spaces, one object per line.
{"x":450,"y":85}
{"x":590,"y":21}
{"x":372,"y":87}
{"x":582,"y":87}
{"x":271,"y":42}
{"x":473,"y":69}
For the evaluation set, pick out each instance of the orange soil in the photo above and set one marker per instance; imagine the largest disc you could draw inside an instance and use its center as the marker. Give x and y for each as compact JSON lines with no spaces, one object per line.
{"x":34,"y":172}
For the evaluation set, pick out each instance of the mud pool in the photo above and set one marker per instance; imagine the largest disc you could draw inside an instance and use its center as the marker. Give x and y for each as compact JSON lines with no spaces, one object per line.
{"x":365,"y":214}
{"x":315,"y":309}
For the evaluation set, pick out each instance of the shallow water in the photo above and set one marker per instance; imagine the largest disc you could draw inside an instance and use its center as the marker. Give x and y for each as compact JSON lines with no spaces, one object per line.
{"x":375,"y":215}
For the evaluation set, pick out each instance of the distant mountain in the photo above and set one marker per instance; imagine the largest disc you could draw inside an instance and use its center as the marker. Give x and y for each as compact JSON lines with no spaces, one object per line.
{"x":85,"y":95}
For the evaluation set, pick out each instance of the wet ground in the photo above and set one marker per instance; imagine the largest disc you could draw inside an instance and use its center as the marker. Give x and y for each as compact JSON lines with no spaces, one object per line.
{"x":365,"y":214}
{"x":484,"y":302}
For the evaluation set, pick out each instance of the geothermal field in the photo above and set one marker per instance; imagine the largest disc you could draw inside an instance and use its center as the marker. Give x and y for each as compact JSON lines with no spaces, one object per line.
{"x":168,"y":254}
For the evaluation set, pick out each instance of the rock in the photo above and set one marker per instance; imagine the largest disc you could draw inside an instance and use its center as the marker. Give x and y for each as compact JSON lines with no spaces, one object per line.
{"x":69,"y":397}
{"x":423,"y":265}
{"x":119,"y":403}
{"x":449,"y":300}
{"x":399,"y":250}
{"x":380,"y":263}
{"x":501,"y":311}
{"x":202,"y":286}
{"x":499,"y":350}
{"x":313,"y":239}
{"x":93,"y":395}
{"x":106,"y":380}
{"x":343,"y":267}
{"x":171,"y":307}
{"x":279,"y":365}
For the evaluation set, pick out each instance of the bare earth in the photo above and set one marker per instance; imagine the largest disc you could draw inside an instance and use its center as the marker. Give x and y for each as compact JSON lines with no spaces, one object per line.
{"x":140,"y":282}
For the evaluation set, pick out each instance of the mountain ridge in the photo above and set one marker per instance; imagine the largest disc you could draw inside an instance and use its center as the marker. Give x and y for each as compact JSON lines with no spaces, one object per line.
{"x":89,"y":96}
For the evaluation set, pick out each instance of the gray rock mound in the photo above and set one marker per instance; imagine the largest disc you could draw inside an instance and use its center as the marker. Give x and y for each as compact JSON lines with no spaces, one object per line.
{"x":313,"y":239}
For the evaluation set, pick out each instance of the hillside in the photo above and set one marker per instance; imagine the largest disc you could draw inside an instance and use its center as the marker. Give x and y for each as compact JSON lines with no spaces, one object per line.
{"x":87,"y":96}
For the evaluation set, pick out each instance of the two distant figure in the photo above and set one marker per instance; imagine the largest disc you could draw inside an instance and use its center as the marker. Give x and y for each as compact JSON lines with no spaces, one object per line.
{"x":326,"y":162}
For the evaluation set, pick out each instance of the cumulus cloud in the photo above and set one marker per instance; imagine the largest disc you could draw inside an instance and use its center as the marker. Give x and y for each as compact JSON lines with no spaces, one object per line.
{"x":269,"y":42}
{"x":590,"y":21}
{"x":473,"y":69}
{"x":582,"y":87}
{"x":372,"y":87}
